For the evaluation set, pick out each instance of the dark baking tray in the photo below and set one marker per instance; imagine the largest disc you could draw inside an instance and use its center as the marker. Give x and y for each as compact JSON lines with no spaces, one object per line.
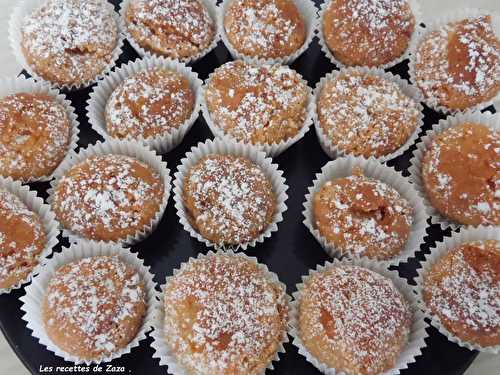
{"x":290,"y":252}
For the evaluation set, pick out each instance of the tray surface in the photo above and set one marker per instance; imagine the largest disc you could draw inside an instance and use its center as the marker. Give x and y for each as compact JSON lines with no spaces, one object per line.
{"x":290,"y":252}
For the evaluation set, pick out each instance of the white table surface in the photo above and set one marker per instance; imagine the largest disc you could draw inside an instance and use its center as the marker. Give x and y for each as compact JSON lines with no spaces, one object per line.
{"x":9,"y":364}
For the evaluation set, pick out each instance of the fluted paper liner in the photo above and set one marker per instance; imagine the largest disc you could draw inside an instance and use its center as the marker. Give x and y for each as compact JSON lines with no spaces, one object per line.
{"x":271,"y":171}
{"x":47,"y":217}
{"x":410,"y":91}
{"x":437,"y":251}
{"x":309,"y":13}
{"x":35,"y":293}
{"x":96,"y":108}
{"x":417,"y":336}
{"x":343,"y":167}
{"x":25,"y":8}
{"x":488,"y":119}
{"x":159,"y":344}
{"x":129,"y":148}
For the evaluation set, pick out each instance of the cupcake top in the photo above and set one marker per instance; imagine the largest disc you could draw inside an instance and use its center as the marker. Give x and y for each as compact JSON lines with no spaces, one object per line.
{"x":35,"y":133}
{"x":108,"y":197}
{"x":257,"y":104}
{"x":149,"y":103}
{"x":94,"y":307}
{"x":224,"y":315}
{"x":22,"y":239}
{"x":368,"y":32}
{"x":366,"y":115}
{"x":266,"y":29}
{"x":458,"y":65}
{"x":462,"y":288}
{"x":229,"y":199}
{"x":179,"y":29}
{"x":70,"y":42}
{"x":460,"y":173}
{"x":363,"y":216}
{"x":353,"y":319}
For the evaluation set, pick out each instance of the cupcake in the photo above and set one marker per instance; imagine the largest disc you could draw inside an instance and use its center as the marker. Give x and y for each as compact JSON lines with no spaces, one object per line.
{"x":70,"y":42}
{"x":35,"y":133}
{"x":149,"y":104}
{"x":362,"y":216}
{"x":459,"y":172}
{"x":177,"y":29}
{"x":108,"y":197}
{"x":457,"y":65}
{"x":367,"y":33}
{"x":352,"y":319}
{"x":262,"y":105}
{"x":462,"y":289}
{"x":264,"y":29}
{"x":366,"y":113}
{"x":94,"y":307}
{"x":22,"y":239}
{"x":228,"y":199}
{"x":223,"y":314}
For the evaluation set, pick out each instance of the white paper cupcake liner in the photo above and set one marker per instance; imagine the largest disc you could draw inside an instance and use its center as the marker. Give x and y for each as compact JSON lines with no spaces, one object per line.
{"x":25,"y":8}
{"x":418,"y":334}
{"x":415,"y":7}
{"x":309,"y":13}
{"x":326,"y":143}
{"x":50,"y":225}
{"x":467,"y":234}
{"x":10,"y":86}
{"x":237,"y":149}
{"x":343,"y":167}
{"x":487,"y":119}
{"x":129,"y":148}
{"x":96,"y":108}
{"x":212,"y":9}
{"x":435,"y":24}
{"x":35,"y":293}
{"x":271,"y":149}
{"x":159,"y":344}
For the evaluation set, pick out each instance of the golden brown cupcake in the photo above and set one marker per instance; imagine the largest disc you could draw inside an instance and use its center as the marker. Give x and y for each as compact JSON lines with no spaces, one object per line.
{"x":94,"y":307}
{"x":257,"y":104}
{"x":178,"y":29}
{"x":35,"y":133}
{"x":108,"y":197}
{"x":228,"y":199}
{"x":266,"y":29}
{"x":70,"y":42}
{"x":353,"y":319}
{"x":458,"y":65}
{"x":368,"y":33}
{"x":148,"y":104}
{"x":224,"y":315}
{"x":22,"y":239}
{"x":461,"y":176}
{"x":462,"y":289}
{"x":366,"y":115}
{"x":362,"y":216}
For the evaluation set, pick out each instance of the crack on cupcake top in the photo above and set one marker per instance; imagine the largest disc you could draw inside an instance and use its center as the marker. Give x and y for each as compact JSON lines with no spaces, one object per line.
{"x":473,"y":197}
{"x":257,"y":104}
{"x":34,"y":135}
{"x":93,"y":307}
{"x":458,"y":65}
{"x":229,"y":199}
{"x":355,"y":315}
{"x":149,"y":103}
{"x":70,"y":41}
{"x":22,"y":239}
{"x":224,"y":314}
{"x":366,"y":115}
